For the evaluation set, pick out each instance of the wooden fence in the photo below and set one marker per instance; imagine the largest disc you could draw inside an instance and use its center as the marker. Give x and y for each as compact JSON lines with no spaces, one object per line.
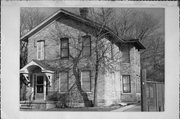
{"x":152,"y":94}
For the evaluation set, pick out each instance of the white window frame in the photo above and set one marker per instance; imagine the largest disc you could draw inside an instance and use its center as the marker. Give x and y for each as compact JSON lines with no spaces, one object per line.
{"x":89,"y":77}
{"x":40,"y":44}
{"x":123,"y":85}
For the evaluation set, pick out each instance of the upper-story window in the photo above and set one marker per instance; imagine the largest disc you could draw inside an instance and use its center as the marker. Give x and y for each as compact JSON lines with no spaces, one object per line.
{"x":64,"y":47}
{"x":40,"y":50}
{"x":86,"y":45}
{"x":126,"y":54}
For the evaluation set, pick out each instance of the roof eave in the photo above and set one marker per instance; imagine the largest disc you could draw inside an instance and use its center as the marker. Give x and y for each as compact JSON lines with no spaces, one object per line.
{"x":40,"y":26}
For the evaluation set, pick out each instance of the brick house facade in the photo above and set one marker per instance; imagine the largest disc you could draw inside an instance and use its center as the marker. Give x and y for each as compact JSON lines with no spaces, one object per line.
{"x":48,"y":68}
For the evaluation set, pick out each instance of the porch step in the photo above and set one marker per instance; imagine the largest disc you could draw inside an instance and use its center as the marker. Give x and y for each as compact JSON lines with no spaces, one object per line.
{"x":32,"y":105}
{"x":26,"y":106}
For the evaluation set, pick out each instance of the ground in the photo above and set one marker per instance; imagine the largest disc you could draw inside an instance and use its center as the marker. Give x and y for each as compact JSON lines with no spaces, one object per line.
{"x":86,"y":109}
{"x":114,"y":108}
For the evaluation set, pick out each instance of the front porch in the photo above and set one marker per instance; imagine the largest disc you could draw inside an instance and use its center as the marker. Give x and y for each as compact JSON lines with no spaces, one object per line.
{"x":38,"y":80}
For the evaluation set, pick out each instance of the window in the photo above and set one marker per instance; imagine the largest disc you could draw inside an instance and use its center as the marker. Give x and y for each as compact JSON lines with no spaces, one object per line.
{"x":86,"y":81}
{"x":39,"y":84}
{"x":126,"y":84}
{"x":63,"y":76}
{"x":126,"y":55}
{"x":40,"y":50}
{"x":64,"y":47}
{"x":86,"y":45}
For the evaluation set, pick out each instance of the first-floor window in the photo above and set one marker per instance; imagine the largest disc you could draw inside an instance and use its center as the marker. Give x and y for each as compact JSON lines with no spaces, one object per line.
{"x":126,"y":84}
{"x":40,"y":84}
{"x":63,"y":77}
{"x":86,"y":81}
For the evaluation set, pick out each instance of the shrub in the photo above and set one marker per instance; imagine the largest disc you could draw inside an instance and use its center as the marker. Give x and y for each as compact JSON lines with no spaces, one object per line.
{"x":60,"y":99}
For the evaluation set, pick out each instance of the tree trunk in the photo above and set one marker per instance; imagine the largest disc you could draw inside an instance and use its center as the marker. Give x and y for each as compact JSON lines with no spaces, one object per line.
{"x":96,"y":76}
{"x":84,"y":95}
{"x":95,"y":84}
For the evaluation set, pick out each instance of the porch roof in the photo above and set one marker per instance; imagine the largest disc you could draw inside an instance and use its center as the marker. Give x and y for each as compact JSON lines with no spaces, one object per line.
{"x":136,"y":43}
{"x":44,"y":67}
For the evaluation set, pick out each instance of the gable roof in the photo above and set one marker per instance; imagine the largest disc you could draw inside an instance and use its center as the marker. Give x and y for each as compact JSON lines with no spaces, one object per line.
{"x":109,"y":33}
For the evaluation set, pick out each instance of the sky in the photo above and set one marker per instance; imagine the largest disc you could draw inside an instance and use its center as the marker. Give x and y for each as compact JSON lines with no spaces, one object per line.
{"x":156,"y":12}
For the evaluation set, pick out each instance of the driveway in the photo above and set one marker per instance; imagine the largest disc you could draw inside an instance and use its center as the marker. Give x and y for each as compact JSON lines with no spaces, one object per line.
{"x":129,"y":108}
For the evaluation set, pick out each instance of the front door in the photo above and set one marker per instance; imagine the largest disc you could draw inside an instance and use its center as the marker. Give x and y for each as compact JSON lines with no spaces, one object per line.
{"x":39,"y":87}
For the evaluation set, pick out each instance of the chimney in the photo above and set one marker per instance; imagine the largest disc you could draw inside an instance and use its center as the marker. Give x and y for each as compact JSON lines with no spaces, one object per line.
{"x":83,"y":12}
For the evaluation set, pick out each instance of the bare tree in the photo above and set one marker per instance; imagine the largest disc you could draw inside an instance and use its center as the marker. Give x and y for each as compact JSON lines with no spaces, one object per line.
{"x":127,"y":24}
{"x":102,"y":62}
{"x":29,"y":18}
{"x":130,"y":23}
{"x":99,"y":60}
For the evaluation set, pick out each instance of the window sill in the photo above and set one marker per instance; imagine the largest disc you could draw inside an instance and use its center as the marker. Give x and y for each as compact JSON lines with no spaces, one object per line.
{"x":126,"y":93}
{"x":88,"y":92}
{"x":62,"y":92}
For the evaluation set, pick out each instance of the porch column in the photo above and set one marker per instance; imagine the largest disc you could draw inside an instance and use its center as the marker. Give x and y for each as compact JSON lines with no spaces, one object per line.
{"x":33,"y":77}
{"x":44,"y":88}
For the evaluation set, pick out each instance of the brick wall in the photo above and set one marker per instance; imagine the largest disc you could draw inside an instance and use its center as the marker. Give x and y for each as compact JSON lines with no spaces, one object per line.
{"x":113,"y":80}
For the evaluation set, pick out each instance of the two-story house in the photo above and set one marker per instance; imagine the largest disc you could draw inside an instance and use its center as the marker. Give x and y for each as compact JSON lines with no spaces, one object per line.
{"x":53,"y":47}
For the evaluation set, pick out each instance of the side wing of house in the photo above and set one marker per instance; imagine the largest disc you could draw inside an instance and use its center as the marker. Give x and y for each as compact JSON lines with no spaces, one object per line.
{"x":122,"y":83}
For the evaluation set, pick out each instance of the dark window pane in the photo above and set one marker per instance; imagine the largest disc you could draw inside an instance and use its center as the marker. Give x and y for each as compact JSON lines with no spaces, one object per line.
{"x":39,"y":88}
{"x":40,"y":80}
